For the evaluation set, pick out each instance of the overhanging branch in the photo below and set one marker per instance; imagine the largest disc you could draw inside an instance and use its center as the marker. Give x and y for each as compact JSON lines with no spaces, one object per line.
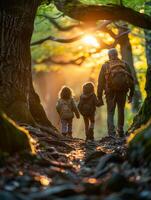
{"x":87,"y":13}
{"x":70,"y":40}
{"x":61,"y":40}
{"x":80,"y":60}
{"x":58,"y":26}
{"x":51,"y":60}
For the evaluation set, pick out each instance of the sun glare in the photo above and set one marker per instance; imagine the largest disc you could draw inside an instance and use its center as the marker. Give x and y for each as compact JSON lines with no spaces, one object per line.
{"x":90,"y":40}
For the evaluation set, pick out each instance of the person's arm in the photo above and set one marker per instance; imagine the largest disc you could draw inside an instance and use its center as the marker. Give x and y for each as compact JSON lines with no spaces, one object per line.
{"x":128,"y":68}
{"x":101,"y":84}
{"x":75,"y":110}
{"x":97,"y":101}
{"x":132,"y":89}
{"x":131,"y":94}
{"x":58,"y":106}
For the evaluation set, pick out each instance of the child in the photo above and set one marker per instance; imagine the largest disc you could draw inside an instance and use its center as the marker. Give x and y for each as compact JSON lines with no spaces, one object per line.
{"x":87,"y":107}
{"x":66,"y":108}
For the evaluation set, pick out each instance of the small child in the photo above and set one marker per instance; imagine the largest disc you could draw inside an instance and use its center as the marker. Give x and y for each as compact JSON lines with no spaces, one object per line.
{"x":87,"y":107}
{"x":66,"y":108}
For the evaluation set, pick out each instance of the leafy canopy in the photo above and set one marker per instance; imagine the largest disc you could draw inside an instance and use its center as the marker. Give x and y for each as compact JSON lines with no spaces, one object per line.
{"x":134,"y":4}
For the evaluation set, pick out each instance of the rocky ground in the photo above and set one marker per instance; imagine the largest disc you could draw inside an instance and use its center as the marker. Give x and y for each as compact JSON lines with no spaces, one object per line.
{"x":73,"y":169}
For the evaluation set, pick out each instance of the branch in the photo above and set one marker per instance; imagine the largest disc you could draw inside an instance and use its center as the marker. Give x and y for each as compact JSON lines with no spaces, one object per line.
{"x":123,"y":26}
{"x":70,"y":40}
{"x":123,"y":34}
{"x":58,"y":26}
{"x":109,"y":46}
{"x":50,"y":60}
{"x":110,"y":32}
{"x":89,"y":13}
{"x":80,"y":60}
{"x":61,"y":40}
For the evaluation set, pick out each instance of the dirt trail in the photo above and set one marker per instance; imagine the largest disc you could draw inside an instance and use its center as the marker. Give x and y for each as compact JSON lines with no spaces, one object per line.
{"x":69,"y":169}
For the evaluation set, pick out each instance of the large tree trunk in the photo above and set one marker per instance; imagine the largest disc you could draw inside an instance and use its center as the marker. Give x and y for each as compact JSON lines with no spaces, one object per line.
{"x":17,"y":96}
{"x":126,"y":52}
{"x":144,"y":114}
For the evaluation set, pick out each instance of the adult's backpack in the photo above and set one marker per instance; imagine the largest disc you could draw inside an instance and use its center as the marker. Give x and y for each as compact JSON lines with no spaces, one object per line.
{"x":117,"y":76}
{"x":86,"y":106}
{"x":66,"y":111}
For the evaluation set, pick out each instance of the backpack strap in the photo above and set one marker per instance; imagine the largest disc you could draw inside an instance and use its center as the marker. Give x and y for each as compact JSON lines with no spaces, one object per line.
{"x":63,"y":102}
{"x":117,"y":63}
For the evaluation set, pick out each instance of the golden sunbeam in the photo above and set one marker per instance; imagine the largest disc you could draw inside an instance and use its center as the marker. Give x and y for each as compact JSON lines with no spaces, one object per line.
{"x":90,"y":40}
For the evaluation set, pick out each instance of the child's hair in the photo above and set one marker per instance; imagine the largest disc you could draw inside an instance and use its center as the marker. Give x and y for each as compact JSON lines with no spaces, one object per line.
{"x":88,"y":88}
{"x":65,"y":93}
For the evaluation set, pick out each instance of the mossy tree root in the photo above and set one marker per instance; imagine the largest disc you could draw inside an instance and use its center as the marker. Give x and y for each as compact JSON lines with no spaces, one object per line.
{"x":12,"y":137}
{"x":143,"y":116}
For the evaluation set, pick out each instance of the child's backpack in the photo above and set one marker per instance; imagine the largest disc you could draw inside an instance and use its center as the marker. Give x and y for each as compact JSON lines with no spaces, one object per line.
{"x":86,"y":106}
{"x":117,"y":76}
{"x":66,"y":112}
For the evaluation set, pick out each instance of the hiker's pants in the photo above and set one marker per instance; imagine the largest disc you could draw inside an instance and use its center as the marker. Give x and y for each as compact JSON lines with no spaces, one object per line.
{"x":114,"y":99}
{"x":89,"y":124}
{"x":66,"y":126}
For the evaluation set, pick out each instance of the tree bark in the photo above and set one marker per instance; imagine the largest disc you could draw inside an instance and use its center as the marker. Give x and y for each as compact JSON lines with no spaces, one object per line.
{"x":126,"y":52}
{"x":17,"y":96}
{"x":144,"y":113}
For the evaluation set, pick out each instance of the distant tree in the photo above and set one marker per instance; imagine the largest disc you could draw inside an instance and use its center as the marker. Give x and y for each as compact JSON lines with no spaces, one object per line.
{"x":127,"y":55}
{"x":144,"y":113}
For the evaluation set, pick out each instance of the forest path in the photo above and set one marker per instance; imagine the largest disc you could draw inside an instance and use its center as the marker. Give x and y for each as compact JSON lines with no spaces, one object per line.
{"x":67,"y":169}
{"x":86,"y":155}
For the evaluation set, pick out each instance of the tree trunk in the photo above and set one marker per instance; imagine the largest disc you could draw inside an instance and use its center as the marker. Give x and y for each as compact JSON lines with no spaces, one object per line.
{"x":144,"y":114}
{"x":17,"y":96}
{"x":126,"y":52}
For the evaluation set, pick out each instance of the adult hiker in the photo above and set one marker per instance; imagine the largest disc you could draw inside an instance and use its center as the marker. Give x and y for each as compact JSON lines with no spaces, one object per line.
{"x":116,"y":81}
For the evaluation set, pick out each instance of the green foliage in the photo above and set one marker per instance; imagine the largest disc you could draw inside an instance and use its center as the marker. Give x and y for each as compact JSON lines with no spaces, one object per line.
{"x":102,"y":2}
{"x":140,"y":145}
{"x":135,"y":4}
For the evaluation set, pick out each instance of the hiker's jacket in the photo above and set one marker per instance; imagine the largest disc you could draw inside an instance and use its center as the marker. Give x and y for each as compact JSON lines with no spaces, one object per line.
{"x":90,"y":99}
{"x":70,"y":103}
{"x":102,"y":80}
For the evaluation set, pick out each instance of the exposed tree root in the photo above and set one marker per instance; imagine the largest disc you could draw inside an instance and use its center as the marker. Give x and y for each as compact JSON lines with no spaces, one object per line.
{"x":58,"y":143}
{"x":47,"y":162}
{"x":12,"y":137}
{"x":94,"y":155}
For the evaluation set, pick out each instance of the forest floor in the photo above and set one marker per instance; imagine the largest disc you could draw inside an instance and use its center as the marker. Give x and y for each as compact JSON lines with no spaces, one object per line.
{"x":73,"y":169}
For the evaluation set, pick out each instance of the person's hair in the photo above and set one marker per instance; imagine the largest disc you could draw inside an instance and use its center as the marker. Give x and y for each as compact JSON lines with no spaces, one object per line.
{"x":112,"y":53}
{"x":65,"y":93}
{"x":88,"y":88}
